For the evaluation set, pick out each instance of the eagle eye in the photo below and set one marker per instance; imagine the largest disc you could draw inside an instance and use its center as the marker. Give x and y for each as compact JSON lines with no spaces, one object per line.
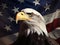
{"x":30,"y":14}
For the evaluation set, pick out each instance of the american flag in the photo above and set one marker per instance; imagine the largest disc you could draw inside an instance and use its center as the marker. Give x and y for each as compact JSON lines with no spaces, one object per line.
{"x":50,"y":10}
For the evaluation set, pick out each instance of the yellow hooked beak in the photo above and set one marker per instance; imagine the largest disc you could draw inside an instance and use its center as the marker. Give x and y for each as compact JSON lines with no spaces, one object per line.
{"x":22,"y":16}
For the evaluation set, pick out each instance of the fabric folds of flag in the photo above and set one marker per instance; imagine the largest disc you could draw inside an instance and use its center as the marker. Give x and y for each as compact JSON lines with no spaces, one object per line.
{"x":50,"y":10}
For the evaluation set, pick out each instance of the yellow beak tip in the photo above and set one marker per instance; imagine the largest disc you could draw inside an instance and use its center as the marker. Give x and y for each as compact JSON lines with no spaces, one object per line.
{"x":19,"y":16}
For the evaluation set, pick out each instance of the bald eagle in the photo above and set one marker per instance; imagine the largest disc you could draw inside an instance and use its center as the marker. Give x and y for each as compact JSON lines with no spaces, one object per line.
{"x":32,"y":28}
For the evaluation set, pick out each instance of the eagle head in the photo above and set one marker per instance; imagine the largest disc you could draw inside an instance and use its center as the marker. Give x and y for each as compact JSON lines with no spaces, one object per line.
{"x":34,"y":19}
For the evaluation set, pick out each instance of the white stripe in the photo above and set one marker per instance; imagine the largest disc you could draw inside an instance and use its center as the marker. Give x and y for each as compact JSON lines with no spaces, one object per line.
{"x":9,"y":39}
{"x":16,"y":34}
{"x":50,"y":17}
{"x":52,"y":35}
{"x":6,"y":40}
{"x":58,"y":28}
{"x":55,"y":34}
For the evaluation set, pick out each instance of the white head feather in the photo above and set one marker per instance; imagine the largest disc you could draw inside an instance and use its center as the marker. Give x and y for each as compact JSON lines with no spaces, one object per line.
{"x":42,"y":21}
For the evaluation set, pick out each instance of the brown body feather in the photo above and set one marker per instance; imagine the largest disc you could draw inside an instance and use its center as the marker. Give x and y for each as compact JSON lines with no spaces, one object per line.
{"x":32,"y":39}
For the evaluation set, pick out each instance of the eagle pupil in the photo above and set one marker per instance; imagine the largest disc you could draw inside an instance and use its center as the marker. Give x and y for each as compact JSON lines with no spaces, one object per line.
{"x":29,"y":14}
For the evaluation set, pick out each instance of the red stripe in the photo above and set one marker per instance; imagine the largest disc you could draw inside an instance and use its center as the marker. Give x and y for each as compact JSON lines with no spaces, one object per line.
{"x":53,"y":25}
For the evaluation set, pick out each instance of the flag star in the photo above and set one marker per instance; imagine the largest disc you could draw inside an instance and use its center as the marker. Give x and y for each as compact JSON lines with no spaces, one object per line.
{"x":36,"y":2}
{"x":4,"y":5}
{"x":7,"y":27}
{"x":1,"y":14}
{"x":47,"y":7}
{"x":15,"y":9}
{"x":11,"y":19}
{"x":21,"y":1}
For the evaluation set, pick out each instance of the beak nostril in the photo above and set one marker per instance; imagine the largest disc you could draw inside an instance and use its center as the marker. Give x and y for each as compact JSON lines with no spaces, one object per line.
{"x":21,"y":14}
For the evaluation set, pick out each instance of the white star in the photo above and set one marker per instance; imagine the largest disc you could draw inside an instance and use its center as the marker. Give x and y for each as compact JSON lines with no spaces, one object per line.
{"x":47,"y":7}
{"x":21,"y":1}
{"x":11,"y":19}
{"x":4,"y":5}
{"x":15,"y":9}
{"x":7,"y":27}
{"x":1,"y":14}
{"x":36,"y":2}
